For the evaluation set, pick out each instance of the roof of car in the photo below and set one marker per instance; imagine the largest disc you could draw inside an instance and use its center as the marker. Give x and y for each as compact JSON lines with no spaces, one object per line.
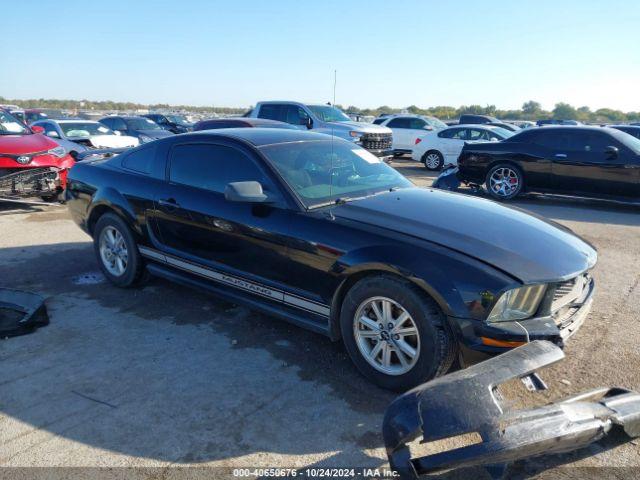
{"x":123,"y":116}
{"x":264,"y":136}
{"x":474,"y":125}
{"x":70,"y":120}
{"x":634,"y":127}
{"x":246,"y":120}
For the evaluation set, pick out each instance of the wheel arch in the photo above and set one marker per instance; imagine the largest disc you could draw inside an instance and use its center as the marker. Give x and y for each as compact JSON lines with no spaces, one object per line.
{"x":358,"y":272}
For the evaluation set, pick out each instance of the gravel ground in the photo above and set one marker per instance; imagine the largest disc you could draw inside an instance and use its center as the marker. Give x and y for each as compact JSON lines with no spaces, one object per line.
{"x":166,"y":377}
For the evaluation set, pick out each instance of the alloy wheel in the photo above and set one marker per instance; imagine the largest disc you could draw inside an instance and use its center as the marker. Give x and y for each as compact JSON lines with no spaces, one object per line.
{"x":504,"y":181}
{"x":113,"y":251}
{"x":432,"y":161}
{"x":386,"y":335}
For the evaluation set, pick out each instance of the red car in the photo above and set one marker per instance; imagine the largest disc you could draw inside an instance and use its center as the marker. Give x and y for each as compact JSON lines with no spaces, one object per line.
{"x":31,"y":164}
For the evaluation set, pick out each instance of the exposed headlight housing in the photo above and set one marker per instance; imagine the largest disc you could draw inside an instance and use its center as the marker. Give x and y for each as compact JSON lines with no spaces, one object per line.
{"x":356,"y":135}
{"x":517,"y":304}
{"x":57,"y":152}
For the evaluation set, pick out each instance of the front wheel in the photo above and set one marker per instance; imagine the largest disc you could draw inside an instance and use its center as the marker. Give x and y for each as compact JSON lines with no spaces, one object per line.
{"x":504,"y":181}
{"x":433,"y":160}
{"x":117,"y":252}
{"x":394,"y":333}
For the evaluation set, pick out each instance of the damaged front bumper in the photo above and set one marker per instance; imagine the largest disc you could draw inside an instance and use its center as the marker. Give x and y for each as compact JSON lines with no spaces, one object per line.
{"x":468,"y":402}
{"x":30,"y":182}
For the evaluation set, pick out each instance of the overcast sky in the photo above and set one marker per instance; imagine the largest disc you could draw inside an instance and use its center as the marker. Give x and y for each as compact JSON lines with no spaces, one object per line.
{"x":396,"y":53}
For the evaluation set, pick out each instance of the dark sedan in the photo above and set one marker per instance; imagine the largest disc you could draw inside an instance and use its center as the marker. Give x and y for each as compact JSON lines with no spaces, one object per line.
{"x":580,"y":161}
{"x":171,"y":122}
{"x":633,"y":130}
{"x":243,"y":122}
{"x":320,"y":232}
{"x":142,"y":128}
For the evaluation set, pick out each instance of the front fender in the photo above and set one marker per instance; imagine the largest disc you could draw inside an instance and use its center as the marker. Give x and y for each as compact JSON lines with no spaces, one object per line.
{"x":462,"y":287}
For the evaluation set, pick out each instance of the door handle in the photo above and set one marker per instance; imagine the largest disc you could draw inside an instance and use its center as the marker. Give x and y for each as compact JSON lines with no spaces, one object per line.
{"x":169,"y":203}
{"x":560,"y":155}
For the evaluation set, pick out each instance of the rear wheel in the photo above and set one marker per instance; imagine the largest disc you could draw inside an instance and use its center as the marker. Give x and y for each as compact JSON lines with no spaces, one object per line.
{"x":433,"y":160}
{"x":504,"y":181}
{"x":394,"y":333}
{"x":117,"y":252}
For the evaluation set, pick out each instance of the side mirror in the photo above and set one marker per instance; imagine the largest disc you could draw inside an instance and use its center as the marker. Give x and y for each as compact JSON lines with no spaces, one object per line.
{"x":117,"y":132}
{"x":428,"y":128}
{"x":494,"y":139}
{"x":611,"y":151}
{"x":246,"y":192}
{"x":309,"y":123}
{"x":53,"y":134}
{"x":37,"y":129}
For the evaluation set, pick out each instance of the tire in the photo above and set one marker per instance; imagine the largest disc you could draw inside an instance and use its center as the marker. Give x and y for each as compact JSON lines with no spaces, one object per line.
{"x":512,"y":181}
{"x":433,"y":342}
{"x":133,"y":273}
{"x":433,"y":160}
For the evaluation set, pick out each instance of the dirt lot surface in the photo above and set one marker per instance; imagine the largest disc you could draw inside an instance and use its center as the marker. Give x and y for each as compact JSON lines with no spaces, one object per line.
{"x":167,"y":377}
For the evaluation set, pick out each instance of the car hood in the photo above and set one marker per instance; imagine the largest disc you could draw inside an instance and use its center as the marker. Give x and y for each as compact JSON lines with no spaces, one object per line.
{"x":113,"y":141}
{"x":19,"y":144}
{"x":155,"y":133}
{"x":527,"y":247}
{"x":362,"y":127}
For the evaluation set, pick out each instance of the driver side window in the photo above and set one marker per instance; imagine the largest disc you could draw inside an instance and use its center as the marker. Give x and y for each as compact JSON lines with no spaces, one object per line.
{"x":211,"y":167}
{"x":296,"y":115}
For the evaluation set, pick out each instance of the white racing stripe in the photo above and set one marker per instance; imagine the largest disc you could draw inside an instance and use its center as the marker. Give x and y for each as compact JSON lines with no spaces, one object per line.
{"x":255,"y":288}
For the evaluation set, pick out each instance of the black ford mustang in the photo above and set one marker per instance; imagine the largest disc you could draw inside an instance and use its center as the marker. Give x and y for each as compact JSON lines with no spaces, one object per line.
{"x":318,"y":231}
{"x":581,"y":161}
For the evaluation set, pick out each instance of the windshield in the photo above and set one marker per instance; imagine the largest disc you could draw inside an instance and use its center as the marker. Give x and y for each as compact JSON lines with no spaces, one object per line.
{"x":627,"y":140}
{"x":142,"y":124}
{"x":178,"y":120}
{"x":84,"y":129}
{"x":10,"y":125}
{"x":327,"y":113}
{"x":321,"y":172}
{"x":435,"y":123}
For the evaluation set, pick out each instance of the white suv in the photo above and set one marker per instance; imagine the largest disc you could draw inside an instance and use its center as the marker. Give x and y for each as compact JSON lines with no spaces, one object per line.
{"x":406,"y":128}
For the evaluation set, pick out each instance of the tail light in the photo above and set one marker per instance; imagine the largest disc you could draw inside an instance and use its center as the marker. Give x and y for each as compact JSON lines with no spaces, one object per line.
{"x":418,"y":140}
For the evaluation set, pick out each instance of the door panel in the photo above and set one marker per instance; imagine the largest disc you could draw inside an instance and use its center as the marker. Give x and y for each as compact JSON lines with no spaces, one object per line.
{"x":583,"y":166}
{"x":245,"y":239}
{"x":197,"y":223}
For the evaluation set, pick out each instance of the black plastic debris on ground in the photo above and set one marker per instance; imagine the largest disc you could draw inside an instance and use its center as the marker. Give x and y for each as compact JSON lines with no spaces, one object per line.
{"x":468,"y":403}
{"x":21,"y":312}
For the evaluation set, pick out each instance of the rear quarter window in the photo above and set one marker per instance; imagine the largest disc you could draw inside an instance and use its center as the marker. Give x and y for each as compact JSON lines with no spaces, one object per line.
{"x":140,"y":160}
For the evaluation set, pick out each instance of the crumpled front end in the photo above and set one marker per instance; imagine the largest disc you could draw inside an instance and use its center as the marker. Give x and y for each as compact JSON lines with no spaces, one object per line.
{"x":31,"y":182}
{"x":467,"y":402}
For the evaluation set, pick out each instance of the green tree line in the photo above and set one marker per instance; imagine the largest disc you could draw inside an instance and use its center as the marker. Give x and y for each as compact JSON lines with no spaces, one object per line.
{"x":110,"y":105}
{"x":530,"y":110}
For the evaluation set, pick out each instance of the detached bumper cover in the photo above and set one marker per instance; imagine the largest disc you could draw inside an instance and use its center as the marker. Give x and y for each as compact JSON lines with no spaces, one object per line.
{"x":467,"y":402}
{"x":21,"y":312}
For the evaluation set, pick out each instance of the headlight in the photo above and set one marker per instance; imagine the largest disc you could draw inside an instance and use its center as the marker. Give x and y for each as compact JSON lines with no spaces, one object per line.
{"x":57,"y":152}
{"x":145,"y":139}
{"x":517,"y":304}
{"x":356,"y":135}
